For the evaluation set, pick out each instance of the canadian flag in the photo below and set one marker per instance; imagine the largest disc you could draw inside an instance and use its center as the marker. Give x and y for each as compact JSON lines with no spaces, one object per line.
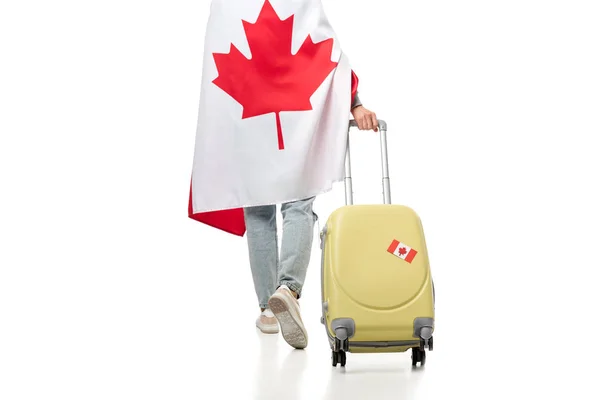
{"x":274,"y":108}
{"x":403,"y":251}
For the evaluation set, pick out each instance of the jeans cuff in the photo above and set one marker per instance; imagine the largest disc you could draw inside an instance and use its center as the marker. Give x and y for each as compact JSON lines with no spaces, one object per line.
{"x":293,"y":287}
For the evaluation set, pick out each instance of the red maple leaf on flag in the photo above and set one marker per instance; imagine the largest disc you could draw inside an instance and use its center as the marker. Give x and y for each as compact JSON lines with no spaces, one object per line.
{"x":273,"y":79}
{"x":402,"y":251}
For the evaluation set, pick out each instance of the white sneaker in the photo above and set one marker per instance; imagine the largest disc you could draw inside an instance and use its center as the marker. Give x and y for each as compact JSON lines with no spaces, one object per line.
{"x":267,"y":323}
{"x":287,"y":311}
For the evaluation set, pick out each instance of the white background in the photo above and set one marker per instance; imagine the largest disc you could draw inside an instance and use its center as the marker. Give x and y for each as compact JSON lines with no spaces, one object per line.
{"x":109,"y":291}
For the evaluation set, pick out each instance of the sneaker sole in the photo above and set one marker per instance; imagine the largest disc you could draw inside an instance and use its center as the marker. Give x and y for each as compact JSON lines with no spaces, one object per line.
{"x":292,"y":327}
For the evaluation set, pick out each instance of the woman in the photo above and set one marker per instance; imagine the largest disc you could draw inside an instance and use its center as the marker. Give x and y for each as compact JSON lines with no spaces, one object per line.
{"x":275,"y":101}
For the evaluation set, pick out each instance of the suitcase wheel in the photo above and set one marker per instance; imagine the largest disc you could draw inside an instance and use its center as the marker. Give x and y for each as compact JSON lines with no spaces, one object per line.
{"x":338,"y":357}
{"x":418,"y":356}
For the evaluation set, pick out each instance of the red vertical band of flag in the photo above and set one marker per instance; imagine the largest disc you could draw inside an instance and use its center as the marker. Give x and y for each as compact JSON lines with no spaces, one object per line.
{"x":411,"y":255}
{"x":393,"y":246}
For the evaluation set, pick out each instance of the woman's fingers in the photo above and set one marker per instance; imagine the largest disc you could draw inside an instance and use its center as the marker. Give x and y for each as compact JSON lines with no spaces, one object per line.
{"x":367,"y":122}
{"x":374,"y":120}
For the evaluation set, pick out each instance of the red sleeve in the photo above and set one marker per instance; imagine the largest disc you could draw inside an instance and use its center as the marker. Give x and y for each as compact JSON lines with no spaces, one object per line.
{"x":354,"y":85}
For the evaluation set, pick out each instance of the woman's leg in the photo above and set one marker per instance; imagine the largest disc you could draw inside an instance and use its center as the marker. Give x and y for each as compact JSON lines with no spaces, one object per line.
{"x":296,"y":246}
{"x":261,"y":232}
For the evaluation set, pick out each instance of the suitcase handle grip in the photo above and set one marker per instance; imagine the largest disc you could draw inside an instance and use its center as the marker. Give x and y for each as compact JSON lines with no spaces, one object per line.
{"x":382,"y":124}
{"x":385,"y":178}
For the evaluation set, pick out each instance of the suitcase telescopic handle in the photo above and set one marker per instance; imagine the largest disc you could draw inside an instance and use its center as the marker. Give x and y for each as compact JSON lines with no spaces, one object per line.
{"x":385,"y":177}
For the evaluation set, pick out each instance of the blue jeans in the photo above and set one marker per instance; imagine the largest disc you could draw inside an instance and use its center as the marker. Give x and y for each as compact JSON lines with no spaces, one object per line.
{"x":269,"y":270}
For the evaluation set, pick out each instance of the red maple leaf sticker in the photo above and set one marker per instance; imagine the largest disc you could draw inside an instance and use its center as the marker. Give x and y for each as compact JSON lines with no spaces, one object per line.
{"x":402,"y":251}
{"x":273,"y":79}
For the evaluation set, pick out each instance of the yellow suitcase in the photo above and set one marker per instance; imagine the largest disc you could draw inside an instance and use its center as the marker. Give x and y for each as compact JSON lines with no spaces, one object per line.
{"x":377,"y":289}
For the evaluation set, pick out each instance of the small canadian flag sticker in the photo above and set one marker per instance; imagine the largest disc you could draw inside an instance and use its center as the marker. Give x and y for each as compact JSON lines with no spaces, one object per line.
{"x":401,"y":250}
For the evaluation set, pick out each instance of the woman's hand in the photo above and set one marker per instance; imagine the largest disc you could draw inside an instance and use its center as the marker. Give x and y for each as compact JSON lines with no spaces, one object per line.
{"x":365,"y":119}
